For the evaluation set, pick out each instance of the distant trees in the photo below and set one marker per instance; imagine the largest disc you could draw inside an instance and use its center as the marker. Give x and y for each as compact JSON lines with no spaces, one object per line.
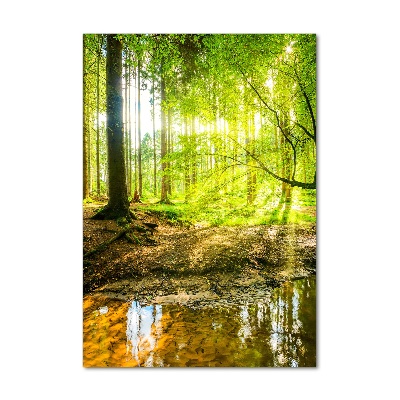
{"x":94,"y":146}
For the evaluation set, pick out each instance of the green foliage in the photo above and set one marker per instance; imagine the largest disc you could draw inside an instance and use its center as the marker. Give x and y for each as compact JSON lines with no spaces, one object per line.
{"x":243,"y":115}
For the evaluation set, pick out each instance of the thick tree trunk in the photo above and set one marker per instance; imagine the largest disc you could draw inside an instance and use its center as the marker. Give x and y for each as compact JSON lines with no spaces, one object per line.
{"x":118,"y":204}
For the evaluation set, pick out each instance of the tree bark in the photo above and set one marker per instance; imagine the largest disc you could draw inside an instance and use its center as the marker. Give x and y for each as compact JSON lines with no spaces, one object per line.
{"x":164,"y":178}
{"x":193,"y":150}
{"x":129,"y":131}
{"x":98,"y":118}
{"x":169,"y":149}
{"x":125,"y":124}
{"x":118,"y":204}
{"x":187,"y":160}
{"x":85,"y":165}
{"x":154,"y":147}
{"x":85,"y":134}
{"x":140,"y":180}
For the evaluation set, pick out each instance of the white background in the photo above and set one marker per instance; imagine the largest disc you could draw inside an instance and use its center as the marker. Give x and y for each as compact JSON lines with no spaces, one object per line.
{"x":358,"y":217}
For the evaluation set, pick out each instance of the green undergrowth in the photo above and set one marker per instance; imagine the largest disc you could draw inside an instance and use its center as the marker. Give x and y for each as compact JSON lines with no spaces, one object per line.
{"x":233,"y":211}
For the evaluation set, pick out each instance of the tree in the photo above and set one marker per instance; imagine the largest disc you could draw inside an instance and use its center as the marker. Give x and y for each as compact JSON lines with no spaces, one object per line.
{"x":99,"y":50}
{"x":154,"y":142}
{"x":85,"y":126}
{"x":118,"y":204}
{"x":291,"y":107}
{"x":164,"y":177}
{"x":140,"y":175}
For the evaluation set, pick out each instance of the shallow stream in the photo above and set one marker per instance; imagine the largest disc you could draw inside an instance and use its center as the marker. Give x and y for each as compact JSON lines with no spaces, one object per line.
{"x":276,"y":331}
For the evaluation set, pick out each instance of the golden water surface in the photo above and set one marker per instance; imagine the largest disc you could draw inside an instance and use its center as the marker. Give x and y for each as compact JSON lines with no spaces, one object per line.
{"x":279,"y":331}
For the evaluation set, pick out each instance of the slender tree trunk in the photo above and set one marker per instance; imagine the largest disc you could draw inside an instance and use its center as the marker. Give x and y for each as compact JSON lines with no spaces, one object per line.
{"x":225,"y":151}
{"x":135,"y":134}
{"x":129,"y":131}
{"x":248,"y":162}
{"x":154,"y":147}
{"x":286,"y":161}
{"x":98,"y":118}
{"x":89,"y":156}
{"x":126,"y":134}
{"x":85,"y":157}
{"x":169,"y":149}
{"x":193,"y":148}
{"x":164,"y":180}
{"x":253,"y":172}
{"x":187,"y":160}
{"x":118,"y":204}
{"x":85,"y":165}
{"x":139,"y":135}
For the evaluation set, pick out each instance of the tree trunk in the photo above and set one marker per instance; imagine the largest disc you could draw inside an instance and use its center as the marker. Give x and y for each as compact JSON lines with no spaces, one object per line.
{"x":85,"y":134}
{"x":89,"y":155}
{"x":187,"y":160}
{"x":193,"y":149}
{"x":249,"y":145}
{"x":98,"y":118}
{"x":118,"y":204}
{"x":85,"y":164}
{"x":139,"y":135}
{"x":169,"y":149}
{"x":154,"y":148}
{"x":129,"y":132}
{"x":164,"y":180}
{"x":135,"y":135}
{"x":126,"y":138}
{"x":286,"y":162}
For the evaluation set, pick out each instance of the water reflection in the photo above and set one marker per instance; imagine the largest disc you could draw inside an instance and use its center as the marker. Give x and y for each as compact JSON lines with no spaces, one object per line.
{"x":277,"y":332}
{"x":143,"y":330}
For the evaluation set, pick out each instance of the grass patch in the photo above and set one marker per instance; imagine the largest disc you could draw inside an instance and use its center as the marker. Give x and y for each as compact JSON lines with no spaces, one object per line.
{"x":231,"y":211}
{"x":175,"y":214}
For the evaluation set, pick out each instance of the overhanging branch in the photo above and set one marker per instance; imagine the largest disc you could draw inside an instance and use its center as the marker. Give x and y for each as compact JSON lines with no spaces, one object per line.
{"x":291,"y":182}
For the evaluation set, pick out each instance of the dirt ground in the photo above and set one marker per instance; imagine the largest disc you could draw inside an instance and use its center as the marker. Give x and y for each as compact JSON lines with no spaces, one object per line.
{"x":192,"y":264}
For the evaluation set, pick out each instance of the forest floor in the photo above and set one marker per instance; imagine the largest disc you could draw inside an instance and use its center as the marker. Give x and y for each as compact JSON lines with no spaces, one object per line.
{"x":192,"y":264}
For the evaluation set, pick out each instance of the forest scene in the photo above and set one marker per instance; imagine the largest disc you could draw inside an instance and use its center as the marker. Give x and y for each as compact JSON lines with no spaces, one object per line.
{"x":199,"y":200}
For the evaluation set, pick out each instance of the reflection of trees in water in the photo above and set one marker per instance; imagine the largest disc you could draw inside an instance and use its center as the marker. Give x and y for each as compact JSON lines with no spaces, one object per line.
{"x":143,"y":330}
{"x":279,"y":331}
{"x":245,"y":328}
{"x":283,"y":329}
{"x":292,"y":316}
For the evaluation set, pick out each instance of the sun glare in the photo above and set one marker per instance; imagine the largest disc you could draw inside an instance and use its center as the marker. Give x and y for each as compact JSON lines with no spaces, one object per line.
{"x":269,"y":83}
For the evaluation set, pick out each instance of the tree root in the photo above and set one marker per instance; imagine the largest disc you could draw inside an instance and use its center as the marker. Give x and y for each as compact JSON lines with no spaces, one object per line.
{"x":127,"y":232}
{"x":165,"y":201}
{"x":132,"y":238}
{"x":108,"y":213}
